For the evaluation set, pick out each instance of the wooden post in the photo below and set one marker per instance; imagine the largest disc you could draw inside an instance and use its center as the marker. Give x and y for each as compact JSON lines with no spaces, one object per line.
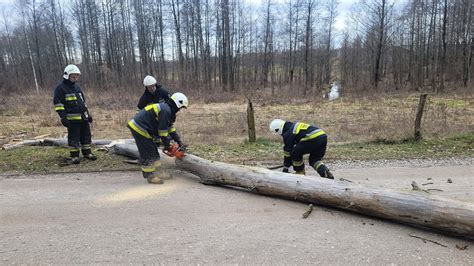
{"x":419,"y":114}
{"x":251,"y":121}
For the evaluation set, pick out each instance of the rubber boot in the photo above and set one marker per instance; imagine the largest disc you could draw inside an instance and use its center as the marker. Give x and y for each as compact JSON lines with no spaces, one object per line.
{"x":328,"y":174}
{"x":87,"y":153}
{"x":152,"y":178}
{"x":75,"y":157}
{"x":323,"y":171}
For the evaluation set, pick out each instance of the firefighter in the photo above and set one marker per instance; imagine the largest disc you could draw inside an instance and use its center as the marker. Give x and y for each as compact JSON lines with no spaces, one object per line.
{"x":154,"y":93}
{"x":152,"y":126}
{"x":70,"y":103}
{"x":300,"y":138}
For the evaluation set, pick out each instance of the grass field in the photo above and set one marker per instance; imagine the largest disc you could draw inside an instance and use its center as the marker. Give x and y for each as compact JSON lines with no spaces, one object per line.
{"x":358,"y":127}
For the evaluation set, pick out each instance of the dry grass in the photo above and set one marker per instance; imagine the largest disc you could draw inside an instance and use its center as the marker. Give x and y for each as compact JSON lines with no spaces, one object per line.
{"x":345,"y":120}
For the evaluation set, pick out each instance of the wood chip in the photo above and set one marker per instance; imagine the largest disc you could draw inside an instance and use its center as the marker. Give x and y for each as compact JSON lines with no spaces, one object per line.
{"x":434,"y":189}
{"x":415,"y":186}
{"x":308,"y":212}
{"x":346,"y":180}
{"x":428,"y":240}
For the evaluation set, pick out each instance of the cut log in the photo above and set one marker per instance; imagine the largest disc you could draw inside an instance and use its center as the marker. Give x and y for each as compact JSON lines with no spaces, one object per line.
{"x":125,"y":147}
{"x":49,"y":142}
{"x":63,"y":142}
{"x":414,"y":208}
{"x":128,"y":148}
{"x":9,"y":146}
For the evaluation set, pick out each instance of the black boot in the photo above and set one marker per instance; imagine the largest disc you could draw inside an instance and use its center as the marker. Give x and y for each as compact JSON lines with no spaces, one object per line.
{"x":75,"y":157}
{"x":87,"y":153}
{"x":152,"y":178}
{"x":323,"y":170}
{"x":328,"y":174}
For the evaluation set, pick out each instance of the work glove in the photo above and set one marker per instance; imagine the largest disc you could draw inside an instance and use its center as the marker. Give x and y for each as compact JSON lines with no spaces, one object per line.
{"x":65,"y":122}
{"x":89,"y":118}
{"x":285,"y":169}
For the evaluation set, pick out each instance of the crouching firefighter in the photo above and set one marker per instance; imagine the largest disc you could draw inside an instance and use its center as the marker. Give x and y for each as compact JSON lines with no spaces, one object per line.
{"x":300,"y":138}
{"x":153,"y":126}
{"x":70,"y":103}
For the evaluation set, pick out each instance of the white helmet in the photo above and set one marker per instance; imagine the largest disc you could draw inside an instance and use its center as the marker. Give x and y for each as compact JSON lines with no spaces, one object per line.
{"x":180,"y":99}
{"x":71,"y":69}
{"x":148,"y":81}
{"x":276,"y":126}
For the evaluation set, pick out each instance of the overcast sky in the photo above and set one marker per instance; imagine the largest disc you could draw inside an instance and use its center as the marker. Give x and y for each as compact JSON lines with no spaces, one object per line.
{"x":344,"y":6}
{"x":343,"y":10}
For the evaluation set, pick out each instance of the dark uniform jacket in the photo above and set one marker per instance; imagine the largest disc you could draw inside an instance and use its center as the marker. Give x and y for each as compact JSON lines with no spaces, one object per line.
{"x":155,"y":121}
{"x":69,"y":101}
{"x":161,"y":95}
{"x":294,"y":133}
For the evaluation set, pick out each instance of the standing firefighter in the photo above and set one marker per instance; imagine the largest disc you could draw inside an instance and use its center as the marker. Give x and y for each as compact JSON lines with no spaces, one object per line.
{"x":153,"y":93}
{"x":153,"y":126}
{"x":300,"y":138}
{"x":70,"y":103}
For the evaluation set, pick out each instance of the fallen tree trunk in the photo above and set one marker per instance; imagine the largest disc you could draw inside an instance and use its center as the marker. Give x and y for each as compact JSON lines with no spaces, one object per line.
{"x":63,"y":142}
{"x":415,"y":208}
{"x":49,"y":142}
{"x":127,"y":147}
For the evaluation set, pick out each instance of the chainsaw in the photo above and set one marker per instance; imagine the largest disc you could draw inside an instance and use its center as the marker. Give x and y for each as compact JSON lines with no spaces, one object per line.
{"x":176,"y":151}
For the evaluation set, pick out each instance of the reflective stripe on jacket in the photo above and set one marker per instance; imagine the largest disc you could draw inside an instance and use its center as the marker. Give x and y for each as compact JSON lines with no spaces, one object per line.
{"x":154,"y":121}
{"x":69,"y":101}
{"x":294,"y":133}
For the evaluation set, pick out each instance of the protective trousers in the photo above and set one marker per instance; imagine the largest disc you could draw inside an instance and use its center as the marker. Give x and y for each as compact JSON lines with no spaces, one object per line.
{"x":316,"y":148}
{"x":79,"y":137}
{"x":149,"y":155}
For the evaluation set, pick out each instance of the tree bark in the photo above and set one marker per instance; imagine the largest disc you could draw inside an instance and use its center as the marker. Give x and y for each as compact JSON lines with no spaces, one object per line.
{"x":51,"y":142}
{"x":415,"y":208}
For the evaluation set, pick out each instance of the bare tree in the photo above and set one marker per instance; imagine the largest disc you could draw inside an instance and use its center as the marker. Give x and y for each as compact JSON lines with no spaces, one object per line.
{"x":330,"y":20}
{"x":232,"y":44}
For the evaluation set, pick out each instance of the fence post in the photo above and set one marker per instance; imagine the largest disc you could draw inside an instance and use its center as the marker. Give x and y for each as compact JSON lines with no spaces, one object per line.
{"x":250,"y":121}
{"x":419,"y":114}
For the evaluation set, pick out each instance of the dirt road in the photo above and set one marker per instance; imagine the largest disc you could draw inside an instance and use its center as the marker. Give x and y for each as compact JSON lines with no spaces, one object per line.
{"x":117,"y":218}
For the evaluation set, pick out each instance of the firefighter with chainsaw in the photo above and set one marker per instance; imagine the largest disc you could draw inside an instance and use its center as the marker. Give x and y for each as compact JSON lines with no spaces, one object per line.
{"x":70,"y":103}
{"x":300,"y":138}
{"x":154,"y":93}
{"x":153,"y":126}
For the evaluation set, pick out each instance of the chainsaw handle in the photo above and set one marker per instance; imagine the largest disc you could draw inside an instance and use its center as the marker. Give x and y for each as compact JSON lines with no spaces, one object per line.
{"x":168,"y":153}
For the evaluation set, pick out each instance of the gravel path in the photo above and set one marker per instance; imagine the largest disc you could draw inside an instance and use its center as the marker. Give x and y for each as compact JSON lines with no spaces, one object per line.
{"x":429,"y":162}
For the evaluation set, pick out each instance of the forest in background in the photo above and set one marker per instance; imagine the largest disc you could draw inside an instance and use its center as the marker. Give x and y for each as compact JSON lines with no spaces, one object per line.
{"x":235,"y":45}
